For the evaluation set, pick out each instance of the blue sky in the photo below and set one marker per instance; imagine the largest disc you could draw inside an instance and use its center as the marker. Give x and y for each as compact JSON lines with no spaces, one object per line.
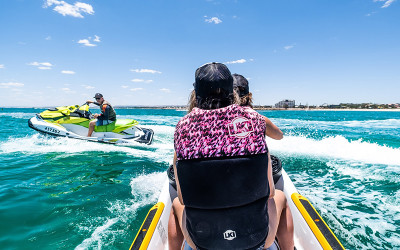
{"x":55,"y":53}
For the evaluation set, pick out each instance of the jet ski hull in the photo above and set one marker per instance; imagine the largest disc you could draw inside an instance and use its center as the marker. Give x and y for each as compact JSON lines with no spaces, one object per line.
{"x":136,"y":134}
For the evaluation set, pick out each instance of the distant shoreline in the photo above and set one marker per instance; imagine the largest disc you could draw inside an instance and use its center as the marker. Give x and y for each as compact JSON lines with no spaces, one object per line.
{"x":183,"y":108}
{"x":298,"y":109}
{"x":260,"y":108}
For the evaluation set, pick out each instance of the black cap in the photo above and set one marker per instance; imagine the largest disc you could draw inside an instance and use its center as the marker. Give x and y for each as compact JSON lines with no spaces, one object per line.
{"x":241,"y":83}
{"x":98,"y":95}
{"x":212,"y":76}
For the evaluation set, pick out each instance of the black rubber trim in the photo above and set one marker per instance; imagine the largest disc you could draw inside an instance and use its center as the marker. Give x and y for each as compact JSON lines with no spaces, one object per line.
{"x":147,"y":137}
{"x":333,"y":242}
{"x":143,"y":230}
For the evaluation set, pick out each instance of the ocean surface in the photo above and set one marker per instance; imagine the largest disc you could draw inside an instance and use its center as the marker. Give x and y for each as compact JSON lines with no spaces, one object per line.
{"x":59,"y":193}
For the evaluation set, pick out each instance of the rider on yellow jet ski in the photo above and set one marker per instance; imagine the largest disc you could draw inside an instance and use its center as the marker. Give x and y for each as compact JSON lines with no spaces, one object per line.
{"x":107,"y":115}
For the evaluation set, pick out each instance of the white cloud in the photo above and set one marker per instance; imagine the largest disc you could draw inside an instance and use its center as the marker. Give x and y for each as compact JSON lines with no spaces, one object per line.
{"x":46,"y":64}
{"x":66,"y":9}
{"x":68,"y":72}
{"x":86,"y":42}
{"x":43,"y":65}
{"x":88,"y":86}
{"x":370,"y":14}
{"x":17,"y":90}
{"x":89,"y":42}
{"x":215,"y":20}
{"x":137,"y":80}
{"x":1,"y":66}
{"x":165,"y":90}
{"x":152,"y":71}
{"x":6,"y":85}
{"x":48,"y":38}
{"x":386,"y":4}
{"x":96,"y":39}
{"x":68,"y":90}
{"x":237,"y":61}
{"x":136,"y":89}
{"x":124,"y":86}
{"x":141,"y":80}
{"x":288,"y":47}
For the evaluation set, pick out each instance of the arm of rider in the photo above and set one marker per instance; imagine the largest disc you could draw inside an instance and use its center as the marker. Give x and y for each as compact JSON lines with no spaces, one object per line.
{"x":270,"y":179}
{"x":178,"y":188}
{"x":89,"y":101}
{"x":272,"y":130}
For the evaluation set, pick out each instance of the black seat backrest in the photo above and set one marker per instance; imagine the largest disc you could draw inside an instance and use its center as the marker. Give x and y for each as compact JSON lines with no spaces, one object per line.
{"x":223,"y":182}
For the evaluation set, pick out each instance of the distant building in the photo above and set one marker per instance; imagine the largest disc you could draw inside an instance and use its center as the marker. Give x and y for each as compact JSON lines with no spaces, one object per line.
{"x":285,"y":104}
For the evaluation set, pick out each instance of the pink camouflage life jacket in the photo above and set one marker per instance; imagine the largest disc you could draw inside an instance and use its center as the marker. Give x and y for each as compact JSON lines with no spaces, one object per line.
{"x":225,"y":132}
{"x":222,"y":170}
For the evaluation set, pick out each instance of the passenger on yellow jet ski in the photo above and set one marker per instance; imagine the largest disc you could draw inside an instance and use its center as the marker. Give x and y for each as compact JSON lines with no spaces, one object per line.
{"x":107,"y":115}
{"x":226,"y":195}
{"x":241,"y":86}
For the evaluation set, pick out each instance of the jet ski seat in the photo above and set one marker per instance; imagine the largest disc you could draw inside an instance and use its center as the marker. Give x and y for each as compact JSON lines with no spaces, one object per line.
{"x":105,"y":128}
{"x":122,"y":124}
{"x":117,"y":126}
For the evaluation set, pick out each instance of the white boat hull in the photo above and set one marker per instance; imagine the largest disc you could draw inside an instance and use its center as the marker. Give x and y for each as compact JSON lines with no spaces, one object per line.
{"x":135,"y":134}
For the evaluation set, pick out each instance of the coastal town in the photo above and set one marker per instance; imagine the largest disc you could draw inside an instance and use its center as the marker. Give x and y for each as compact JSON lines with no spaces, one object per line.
{"x":291,"y":104}
{"x":287,"y":104}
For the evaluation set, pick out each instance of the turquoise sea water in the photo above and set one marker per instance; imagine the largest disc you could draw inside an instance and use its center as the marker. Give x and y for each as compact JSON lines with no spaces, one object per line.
{"x":59,"y":193}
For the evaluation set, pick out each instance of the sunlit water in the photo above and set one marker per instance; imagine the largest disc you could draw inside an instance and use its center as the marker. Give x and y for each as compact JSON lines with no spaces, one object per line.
{"x":65,"y":193}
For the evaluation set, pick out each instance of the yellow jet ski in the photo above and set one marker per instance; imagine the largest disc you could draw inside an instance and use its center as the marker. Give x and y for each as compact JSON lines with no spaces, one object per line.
{"x":73,"y":122}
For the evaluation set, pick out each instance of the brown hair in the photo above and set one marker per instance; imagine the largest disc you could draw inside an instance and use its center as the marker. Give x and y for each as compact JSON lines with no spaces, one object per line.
{"x":193,"y":103}
{"x":247,"y":100}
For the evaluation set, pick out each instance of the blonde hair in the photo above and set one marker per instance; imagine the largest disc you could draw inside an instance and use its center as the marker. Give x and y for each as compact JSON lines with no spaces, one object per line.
{"x":247,"y":100}
{"x":192,"y":103}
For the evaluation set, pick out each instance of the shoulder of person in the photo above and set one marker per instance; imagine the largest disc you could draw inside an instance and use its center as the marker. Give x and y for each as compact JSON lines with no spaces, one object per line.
{"x":185,"y":117}
{"x":248,"y":109}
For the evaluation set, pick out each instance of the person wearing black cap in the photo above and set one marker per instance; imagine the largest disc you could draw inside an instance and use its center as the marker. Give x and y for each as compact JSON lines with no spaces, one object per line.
{"x":107,"y":115}
{"x":241,"y":87}
{"x":222,"y":170}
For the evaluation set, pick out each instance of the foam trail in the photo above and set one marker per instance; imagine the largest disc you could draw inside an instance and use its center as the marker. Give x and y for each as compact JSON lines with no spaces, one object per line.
{"x":153,"y":119}
{"x":368,"y":124}
{"x":357,"y":205}
{"x":145,"y":191}
{"x":147,"y":187}
{"x":18,"y":115}
{"x":337,"y":147}
{"x":97,"y":235}
{"x":38,"y":144}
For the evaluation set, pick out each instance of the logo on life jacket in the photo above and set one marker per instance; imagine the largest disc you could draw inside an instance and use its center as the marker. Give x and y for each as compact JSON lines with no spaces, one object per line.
{"x":240,"y":127}
{"x":229,"y":235}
